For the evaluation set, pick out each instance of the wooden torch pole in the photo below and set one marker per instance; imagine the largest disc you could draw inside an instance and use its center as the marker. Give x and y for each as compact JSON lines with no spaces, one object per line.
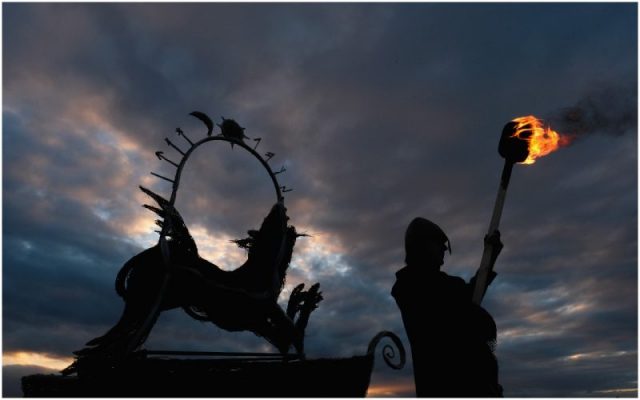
{"x":485,"y":265}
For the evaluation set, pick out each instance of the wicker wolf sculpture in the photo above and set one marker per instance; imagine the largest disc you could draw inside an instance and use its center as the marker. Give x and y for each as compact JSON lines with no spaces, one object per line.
{"x":237,"y":300}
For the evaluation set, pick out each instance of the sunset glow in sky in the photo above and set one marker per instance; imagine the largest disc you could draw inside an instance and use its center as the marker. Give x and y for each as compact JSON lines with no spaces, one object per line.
{"x":380,"y":113}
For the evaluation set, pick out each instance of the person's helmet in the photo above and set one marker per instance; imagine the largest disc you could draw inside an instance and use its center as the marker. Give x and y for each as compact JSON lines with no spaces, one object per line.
{"x":420,"y":231}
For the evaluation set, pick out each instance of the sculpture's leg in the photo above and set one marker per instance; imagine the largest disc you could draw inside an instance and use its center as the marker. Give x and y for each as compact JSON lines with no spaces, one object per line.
{"x":278,"y":329}
{"x":115,"y":342}
{"x":142,"y":331}
{"x":311,"y":300}
{"x":295,"y":300}
{"x":119,"y":330}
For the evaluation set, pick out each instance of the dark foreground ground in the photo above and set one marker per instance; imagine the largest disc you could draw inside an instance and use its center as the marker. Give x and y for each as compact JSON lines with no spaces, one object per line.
{"x":164,"y":377}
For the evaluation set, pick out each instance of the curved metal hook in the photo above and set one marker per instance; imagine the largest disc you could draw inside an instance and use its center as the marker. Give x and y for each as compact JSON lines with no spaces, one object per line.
{"x":388,"y":352}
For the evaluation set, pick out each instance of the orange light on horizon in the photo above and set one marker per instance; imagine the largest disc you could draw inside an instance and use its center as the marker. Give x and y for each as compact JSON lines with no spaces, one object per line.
{"x":400,"y":389}
{"x":38,"y":359}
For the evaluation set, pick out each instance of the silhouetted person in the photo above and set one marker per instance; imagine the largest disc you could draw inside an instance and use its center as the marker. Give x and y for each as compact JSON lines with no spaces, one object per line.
{"x":451,"y":338}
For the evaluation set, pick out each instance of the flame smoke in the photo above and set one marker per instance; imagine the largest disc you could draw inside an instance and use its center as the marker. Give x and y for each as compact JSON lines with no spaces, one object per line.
{"x":608,"y":110}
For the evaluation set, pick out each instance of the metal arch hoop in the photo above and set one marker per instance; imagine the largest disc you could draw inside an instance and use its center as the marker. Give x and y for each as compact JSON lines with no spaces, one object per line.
{"x":176,"y":181}
{"x":148,"y":323}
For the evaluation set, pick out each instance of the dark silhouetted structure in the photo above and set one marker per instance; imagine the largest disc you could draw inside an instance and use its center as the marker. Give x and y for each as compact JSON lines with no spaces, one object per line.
{"x":452,"y":339}
{"x":172,"y":274}
{"x":242,"y":299}
{"x":152,"y":374}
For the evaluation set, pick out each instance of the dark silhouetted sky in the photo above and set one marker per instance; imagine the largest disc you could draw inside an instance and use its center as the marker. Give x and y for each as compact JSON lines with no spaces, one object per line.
{"x":381,"y":113}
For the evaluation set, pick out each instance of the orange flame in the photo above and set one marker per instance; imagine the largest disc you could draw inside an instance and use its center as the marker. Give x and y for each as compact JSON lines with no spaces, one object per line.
{"x":542,"y":140}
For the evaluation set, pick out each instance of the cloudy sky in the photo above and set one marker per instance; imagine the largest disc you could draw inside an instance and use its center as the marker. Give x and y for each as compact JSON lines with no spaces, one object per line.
{"x":380,"y":113}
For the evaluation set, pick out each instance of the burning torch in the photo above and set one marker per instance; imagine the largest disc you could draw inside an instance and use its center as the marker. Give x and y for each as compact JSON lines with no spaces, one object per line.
{"x":523,"y":140}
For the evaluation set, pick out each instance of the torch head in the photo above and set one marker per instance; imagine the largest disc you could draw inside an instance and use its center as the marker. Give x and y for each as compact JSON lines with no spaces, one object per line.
{"x":512,"y":148}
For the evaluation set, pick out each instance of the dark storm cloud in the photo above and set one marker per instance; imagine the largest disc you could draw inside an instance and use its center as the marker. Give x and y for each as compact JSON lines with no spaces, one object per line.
{"x":57,"y":251}
{"x":380,"y":113}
